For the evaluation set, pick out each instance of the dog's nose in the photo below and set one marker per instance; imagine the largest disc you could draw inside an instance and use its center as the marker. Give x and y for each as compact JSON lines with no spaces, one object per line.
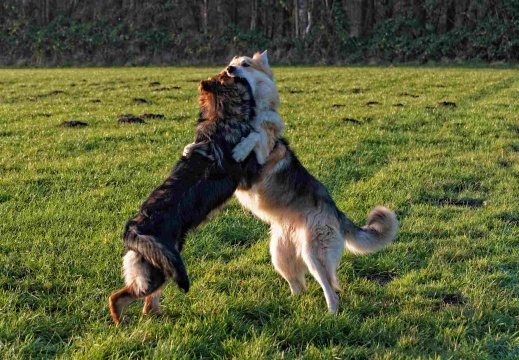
{"x":231,"y":69}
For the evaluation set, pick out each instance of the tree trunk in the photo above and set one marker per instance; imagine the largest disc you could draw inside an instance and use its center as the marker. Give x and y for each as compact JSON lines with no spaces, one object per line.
{"x":302,"y":15}
{"x":355,"y":17}
{"x":296,"y":3}
{"x":203,"y":11}
{"x":254,"y":15}
{"x":285,"y":22}
{"x":368,"y":18}
{"x":309,"y":17}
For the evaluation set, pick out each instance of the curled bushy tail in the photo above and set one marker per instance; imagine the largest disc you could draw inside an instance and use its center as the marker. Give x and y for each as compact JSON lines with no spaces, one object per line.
{"x":379,"y":232}
{"x":163,"y":258}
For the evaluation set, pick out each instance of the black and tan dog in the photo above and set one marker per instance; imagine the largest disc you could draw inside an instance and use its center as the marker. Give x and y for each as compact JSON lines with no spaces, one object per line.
{"x":195,"y":187}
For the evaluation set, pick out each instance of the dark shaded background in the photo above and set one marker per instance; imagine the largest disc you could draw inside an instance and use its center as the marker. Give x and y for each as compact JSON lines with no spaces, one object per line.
{"x":166,"y":32}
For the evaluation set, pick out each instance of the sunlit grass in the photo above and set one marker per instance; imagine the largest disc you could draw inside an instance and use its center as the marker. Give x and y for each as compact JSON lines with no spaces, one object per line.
{"x":448,"y":286}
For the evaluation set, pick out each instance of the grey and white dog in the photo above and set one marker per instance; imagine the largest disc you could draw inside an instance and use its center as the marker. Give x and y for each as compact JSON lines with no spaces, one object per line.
{"x":308,"y":231}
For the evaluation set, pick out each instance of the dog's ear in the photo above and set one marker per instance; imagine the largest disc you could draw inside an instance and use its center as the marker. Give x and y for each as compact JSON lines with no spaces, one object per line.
{"x":263,"y":58}
{"x":205,"y":85}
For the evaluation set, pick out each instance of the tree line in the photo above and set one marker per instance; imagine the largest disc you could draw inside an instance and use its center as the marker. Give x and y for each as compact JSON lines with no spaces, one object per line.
{"x":140,"y":32}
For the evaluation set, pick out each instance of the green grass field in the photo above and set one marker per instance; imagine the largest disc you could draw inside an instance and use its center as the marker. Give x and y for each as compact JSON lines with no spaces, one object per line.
{"x":447,"y":288}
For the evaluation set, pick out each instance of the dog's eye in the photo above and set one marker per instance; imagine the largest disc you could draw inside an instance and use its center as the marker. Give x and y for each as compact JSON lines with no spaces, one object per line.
{"x":245,"y":64}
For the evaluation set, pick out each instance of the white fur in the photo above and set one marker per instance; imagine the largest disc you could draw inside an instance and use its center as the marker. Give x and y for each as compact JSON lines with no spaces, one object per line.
{"x":266,"y":97}
{"x":135,"y":273}
{"x":245,"y":146}
{"x":188,"y":149}
{"x":379,"y":232}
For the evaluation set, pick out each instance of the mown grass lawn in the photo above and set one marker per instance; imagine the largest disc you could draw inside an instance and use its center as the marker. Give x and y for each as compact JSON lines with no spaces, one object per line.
{"x":447,"y":288}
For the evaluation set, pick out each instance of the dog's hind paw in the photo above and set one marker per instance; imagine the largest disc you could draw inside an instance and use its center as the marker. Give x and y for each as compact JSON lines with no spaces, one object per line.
{"x":115,"y":310}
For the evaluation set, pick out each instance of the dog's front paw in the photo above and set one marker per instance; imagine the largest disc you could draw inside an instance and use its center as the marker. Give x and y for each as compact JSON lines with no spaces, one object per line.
{"x":260,"y":157}
{"x":240,"y":151}
{"x":188,"y":149}
{"x":201,"y":148}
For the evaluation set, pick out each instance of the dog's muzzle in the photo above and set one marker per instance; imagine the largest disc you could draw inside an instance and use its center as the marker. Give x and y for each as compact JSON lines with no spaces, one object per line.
{"x":231,"y":69}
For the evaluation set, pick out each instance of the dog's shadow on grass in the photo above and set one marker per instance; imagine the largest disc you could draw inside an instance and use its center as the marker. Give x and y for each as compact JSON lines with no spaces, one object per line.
{"x":227,"y":236}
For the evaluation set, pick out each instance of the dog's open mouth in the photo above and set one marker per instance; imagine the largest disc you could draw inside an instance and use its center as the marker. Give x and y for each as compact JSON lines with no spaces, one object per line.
{"x":231,"y":80}
{"x":232,"y":70}
{"x":233,"y":75}
{"x":236,"y":78}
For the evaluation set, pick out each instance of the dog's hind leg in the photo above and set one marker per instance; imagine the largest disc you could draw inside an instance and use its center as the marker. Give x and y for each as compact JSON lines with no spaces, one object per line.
{"x":312,"y":254}
{"x":119,"y":300}
{"x":332,"y":257}
{"x":142,"y":280}
{"x":151,"y":303}
{"x":286,"y":262}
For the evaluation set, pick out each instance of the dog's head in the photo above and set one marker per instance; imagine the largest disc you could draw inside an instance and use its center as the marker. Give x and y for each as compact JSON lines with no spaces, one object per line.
{"x":223,"y":97}
{"x":252,"y":69}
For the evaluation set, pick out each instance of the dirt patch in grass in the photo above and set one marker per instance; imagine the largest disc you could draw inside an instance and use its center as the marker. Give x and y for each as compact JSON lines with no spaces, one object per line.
{"x":73,"y":123}
{"x":162,"y":89}
{"x":152,"y":116}
{"x":336,"y":106}
{"x":42,"y":115}
{"x":130,"y":119}
{"x":140,"y":101}
{"x":360,"y":121}
{"x":357,"y":91}
{"x":505,"y":163}
{"x":463,"y":202}
{"x":372,"y":103}
{"x":399,"y":105}
{"x":382,"y":278}
{"x":452,"y":299}
{"x":55,"y":92}
{"x":154,"y":83}
{"x":95,"y":101}
{"x":447,"y":104}
{"x":407,"y":94}
{"x":351,"y":120}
